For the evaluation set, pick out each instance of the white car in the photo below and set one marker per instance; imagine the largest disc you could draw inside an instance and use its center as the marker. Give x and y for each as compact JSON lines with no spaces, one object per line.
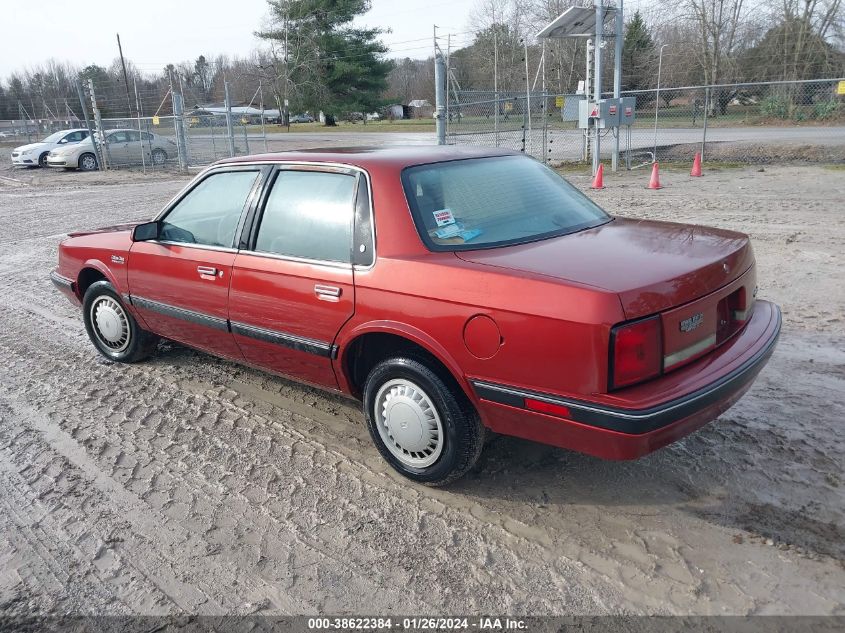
{"x":35,"y":154}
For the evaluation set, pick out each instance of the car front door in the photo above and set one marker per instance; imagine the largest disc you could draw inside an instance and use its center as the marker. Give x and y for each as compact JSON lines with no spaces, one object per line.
{"x":180,"y":282}
{"x":117,"y":146}
{"x":292,"y":284}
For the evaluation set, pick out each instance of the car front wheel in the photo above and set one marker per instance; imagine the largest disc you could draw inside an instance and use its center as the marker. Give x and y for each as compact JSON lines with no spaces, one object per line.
{"x":421,"y":422}
{"x":113,"y":330}
{"x":42,"y":160}
{"x":88,"y":162}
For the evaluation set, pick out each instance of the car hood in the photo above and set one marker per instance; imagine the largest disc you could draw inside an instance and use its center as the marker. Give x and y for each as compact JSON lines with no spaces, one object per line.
{"x":651,"y":265}
{"x":23,"y":149}
{"x":116,"y":228}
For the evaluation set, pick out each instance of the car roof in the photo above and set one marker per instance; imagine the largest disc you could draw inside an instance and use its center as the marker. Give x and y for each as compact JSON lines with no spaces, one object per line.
{"x":364,"y":157}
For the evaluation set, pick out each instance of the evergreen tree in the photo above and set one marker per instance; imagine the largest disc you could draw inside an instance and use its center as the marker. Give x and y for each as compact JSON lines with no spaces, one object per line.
{"x":329,"y":65}
{"x":637,"y":55}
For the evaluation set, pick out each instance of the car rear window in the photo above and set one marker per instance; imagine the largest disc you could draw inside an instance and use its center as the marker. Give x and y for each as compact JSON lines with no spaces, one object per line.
{"x":497,"y":201}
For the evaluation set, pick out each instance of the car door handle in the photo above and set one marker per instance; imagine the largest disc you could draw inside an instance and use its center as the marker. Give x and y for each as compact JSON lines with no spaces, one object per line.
{"x":209,"y":271}
{"x":327,"y":293}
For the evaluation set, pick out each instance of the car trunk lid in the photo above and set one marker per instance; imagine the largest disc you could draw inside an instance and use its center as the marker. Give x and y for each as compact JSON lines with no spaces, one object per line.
{"x":700,"y":280}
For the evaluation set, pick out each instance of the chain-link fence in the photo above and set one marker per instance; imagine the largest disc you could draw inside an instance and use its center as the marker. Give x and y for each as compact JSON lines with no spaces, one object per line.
{"x":172,"y":136}
{"x":749,"y":122}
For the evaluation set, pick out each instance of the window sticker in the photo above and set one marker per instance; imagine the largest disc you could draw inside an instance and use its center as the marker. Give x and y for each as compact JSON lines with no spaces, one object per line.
{"x":450,"y":230}
{"x":444,"y":217}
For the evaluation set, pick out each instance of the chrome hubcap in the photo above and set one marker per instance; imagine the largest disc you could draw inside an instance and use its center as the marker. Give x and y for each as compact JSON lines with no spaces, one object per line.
{"x":408,"y":423}
{"x":111,"y":325}
{"x":88,"y":162}
{"x":158,"y":158}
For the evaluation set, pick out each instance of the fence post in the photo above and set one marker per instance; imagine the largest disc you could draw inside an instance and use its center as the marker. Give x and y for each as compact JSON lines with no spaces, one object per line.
{"x":230,"y":133}
{"x":87,"y":120}
{"x":246,"y":138}
{"x":704,"y":131}
{"x":104,"y":157}
{"x":181,"y":141}
{"x":439,"y":96}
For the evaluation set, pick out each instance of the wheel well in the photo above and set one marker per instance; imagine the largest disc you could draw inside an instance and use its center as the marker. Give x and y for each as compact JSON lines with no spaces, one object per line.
{"x":368,"y":350}
{"x":88,"y":276}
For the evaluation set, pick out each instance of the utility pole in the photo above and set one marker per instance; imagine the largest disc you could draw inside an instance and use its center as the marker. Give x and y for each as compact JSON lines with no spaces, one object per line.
{"x":87,"y":120}
{"x":439,"y":96}
{"x":597,"y":90}
{"x":125,"y":77}
{"x":617,"y":77}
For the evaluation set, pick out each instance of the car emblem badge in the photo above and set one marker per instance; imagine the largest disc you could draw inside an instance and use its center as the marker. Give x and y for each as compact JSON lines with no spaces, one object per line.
{"x":117,"y":259}
{"x":688,"y":325}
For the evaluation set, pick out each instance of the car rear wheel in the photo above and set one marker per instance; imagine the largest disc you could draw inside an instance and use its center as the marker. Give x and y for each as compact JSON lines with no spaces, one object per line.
{"x":159,"y":157}
{"x":88,"y":162}
{"x":421,"y":422}
{"x":113,"y":330}
{"x":42,"y":160}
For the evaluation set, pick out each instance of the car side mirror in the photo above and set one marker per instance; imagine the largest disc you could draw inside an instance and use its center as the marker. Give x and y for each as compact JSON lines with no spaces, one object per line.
{"x":146,"y":232}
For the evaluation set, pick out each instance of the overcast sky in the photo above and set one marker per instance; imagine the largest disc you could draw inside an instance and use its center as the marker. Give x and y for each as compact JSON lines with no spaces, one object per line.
{"x":155,"y":33}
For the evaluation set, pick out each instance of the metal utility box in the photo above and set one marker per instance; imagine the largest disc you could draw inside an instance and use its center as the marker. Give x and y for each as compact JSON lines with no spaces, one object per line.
{"x":604,"y":113}
{"x":627,"y":110}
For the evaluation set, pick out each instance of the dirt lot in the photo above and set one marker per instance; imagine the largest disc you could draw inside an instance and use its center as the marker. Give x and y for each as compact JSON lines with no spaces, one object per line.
{"x":189,"y":484}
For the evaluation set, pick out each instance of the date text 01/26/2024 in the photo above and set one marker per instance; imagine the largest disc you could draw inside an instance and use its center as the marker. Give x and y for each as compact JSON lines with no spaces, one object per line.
{"x":483,"y":623}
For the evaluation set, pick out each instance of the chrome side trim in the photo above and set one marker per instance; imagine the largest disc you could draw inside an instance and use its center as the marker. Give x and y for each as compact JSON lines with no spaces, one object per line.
{"x":291,"y":341}
{"x":299,"y":260}
{"x":221,"y":249}
{"x":688,"y":352}
{"x":181,"y":313}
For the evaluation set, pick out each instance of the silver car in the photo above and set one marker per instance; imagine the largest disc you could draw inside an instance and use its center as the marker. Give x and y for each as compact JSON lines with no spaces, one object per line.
{"x":122,"y":147}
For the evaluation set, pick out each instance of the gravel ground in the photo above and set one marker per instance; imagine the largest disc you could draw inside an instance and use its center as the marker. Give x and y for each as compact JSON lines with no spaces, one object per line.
{"x":190,"y":484}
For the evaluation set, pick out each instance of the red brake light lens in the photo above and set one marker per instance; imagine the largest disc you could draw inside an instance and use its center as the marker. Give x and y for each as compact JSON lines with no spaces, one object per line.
{"x":636,"y":352}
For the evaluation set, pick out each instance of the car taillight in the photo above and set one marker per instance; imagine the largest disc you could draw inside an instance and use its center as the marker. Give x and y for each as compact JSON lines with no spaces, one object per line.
{"x":636,"y":352}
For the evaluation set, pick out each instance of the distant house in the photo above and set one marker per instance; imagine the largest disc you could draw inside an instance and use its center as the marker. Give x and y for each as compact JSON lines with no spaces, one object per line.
{"x":420,"y":109}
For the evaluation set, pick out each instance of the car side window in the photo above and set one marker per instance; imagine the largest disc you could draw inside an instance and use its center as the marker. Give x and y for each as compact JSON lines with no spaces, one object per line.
{"x":309,"y":214}
{"x":209,"y":213}
{"x":146,"y":136}
{"x":118,"y":137}
{"x":133,"y":136}
{"x":73,"y":137}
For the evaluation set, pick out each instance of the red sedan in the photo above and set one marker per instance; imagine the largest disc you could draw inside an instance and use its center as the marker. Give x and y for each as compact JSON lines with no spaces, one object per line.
{"x":451,"y":290}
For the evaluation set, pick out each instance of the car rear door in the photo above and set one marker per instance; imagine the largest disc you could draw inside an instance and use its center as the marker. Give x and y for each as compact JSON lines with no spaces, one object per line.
{"x":180,"y":282}
{"x":292,"y":284}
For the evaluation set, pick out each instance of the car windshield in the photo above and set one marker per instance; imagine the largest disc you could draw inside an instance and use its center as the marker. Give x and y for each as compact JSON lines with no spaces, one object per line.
{"x":498,"y":201}
{"x":55,"y":137}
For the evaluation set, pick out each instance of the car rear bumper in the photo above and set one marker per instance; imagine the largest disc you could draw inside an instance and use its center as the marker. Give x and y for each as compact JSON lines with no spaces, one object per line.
{"x":614,"y":432}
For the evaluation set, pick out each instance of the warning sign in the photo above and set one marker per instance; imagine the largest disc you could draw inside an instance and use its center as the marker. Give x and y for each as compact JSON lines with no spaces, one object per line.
{"x":156,"y":120}
{"x":559,"y":101}
{"x":594,"y":112}
{"x":840,"y":88}
{"x":612,"y":109}
{"x":629,"y":111}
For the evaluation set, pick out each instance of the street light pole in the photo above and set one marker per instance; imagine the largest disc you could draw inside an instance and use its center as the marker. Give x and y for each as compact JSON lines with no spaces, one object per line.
{"x":657,"y":101}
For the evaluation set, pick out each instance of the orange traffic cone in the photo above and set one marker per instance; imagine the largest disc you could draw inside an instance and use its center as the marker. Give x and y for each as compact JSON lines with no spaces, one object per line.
{"x":655,"y":178}
{"x":696,"y":165}
{"x":598,"y":181}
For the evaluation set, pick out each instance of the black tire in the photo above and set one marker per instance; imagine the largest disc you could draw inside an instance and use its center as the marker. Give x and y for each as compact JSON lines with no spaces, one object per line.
{"x":87,"y":162}
{"x":42,"y":160}
{"x":159,"y":156}
{"x":463,"y":434}
{"x":140,"y":344}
